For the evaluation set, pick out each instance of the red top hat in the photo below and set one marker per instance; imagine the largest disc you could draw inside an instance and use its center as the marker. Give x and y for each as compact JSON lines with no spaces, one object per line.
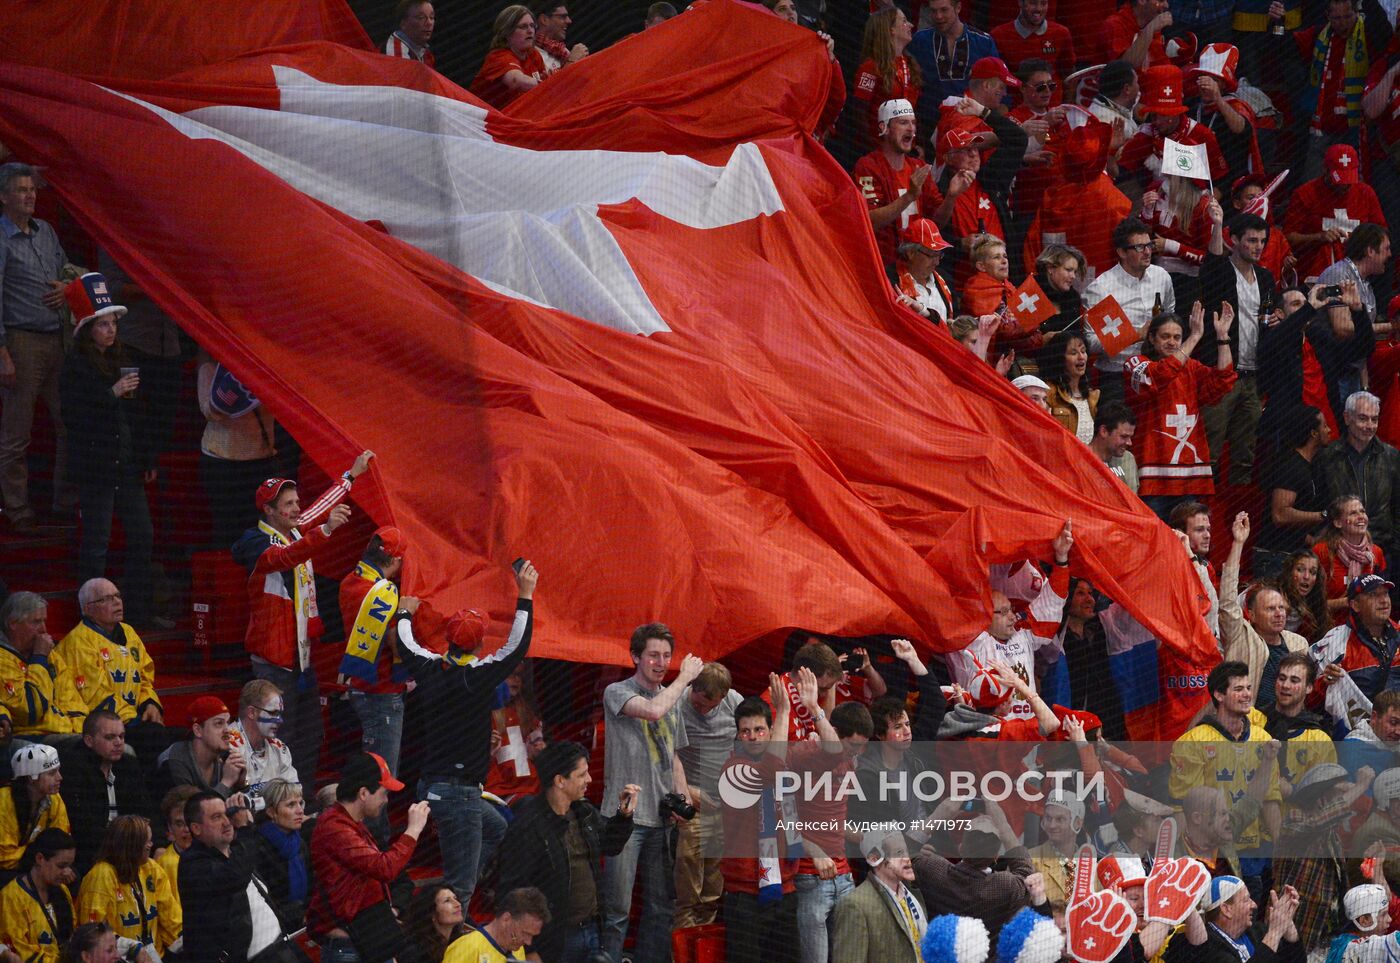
{"x":1161,"y":90}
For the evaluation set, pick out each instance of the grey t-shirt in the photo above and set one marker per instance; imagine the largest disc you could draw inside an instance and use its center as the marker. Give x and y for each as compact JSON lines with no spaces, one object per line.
{"x":637,"y":751}
{"x":711,"y":741}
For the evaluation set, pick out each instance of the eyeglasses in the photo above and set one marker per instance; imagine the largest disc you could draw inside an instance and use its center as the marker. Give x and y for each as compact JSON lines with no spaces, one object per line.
{"x":1142,"y":248}
{"x":1046,"y":87}
{"x":114,"y":597}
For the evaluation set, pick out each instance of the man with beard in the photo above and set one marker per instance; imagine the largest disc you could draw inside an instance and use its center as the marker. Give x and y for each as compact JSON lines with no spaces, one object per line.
{"x":897,"y":186}
{"x":1114,"y":425}
{"x":1262,"y":641}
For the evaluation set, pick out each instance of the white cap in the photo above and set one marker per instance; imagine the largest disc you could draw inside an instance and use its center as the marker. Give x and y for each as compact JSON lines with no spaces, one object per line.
{"x":1028,"y":381}
{"x":1367,"y":899}
{"x":899,"y":107}
{"x":1064,"y":800}
{"x":1385,"y":788}
{"x":34,"y":759}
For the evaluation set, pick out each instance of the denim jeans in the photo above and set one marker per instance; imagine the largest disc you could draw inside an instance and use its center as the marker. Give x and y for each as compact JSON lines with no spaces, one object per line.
{"x":381,"y":732}
{"x":649,"y":846}
{"x":816,"y":902}
{"x":338,"y":951}
{"x":126,"y":499}
{"x":468,"y":831}
{"x":581,"y":943}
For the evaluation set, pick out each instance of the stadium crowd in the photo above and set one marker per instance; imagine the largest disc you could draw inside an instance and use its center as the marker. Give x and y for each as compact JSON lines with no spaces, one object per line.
{"x":1166,"y":224}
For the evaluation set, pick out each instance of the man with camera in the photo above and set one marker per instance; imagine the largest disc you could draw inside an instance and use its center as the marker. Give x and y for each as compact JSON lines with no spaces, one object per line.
{"x":556,"y":843}
{"x":1367,"y":255}
{"x":643,"y":729}
{"x":228,"y":914}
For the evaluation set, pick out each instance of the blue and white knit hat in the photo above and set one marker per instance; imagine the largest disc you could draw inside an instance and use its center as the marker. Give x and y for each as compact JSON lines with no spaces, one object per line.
{"x":1219,"y":891}
{"x":956,"y":939}
{"x":1030,"y":938}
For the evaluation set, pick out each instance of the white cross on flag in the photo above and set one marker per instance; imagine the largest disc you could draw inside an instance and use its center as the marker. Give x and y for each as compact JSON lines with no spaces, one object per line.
{"x":1110,"y":322}
{"x":1030,"y":305}
{"x":1185,"y":160}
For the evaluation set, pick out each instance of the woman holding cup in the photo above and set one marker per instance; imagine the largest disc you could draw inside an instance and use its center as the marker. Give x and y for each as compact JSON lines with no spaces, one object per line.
{"x":110,"y":457}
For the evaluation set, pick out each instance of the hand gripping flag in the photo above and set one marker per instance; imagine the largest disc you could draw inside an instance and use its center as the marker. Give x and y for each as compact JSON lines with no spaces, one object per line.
{"x":633,"y":311}
{"x":1110,"y":322}
{"x":1030,"y":305}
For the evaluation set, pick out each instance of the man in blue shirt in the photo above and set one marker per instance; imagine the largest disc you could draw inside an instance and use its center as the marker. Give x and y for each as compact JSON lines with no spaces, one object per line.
{"x":31,"y":338}
{"x":945,"y":53}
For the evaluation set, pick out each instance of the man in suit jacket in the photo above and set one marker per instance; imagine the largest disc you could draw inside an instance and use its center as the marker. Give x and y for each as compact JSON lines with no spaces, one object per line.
{"x":1238,"y":279}
{"x":883,"y":919}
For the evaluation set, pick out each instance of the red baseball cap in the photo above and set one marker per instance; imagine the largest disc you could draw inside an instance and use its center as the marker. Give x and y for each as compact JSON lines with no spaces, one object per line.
{"x":206,"y":707}
{"x":955,"y":138}
{"x":993,"y":68}
{"x":393,"y":541}
{"x":923,"y":232}
{"x":1343,"y":164}
{"x":466,"y":629}
{"x":269,"y":490}
{"x":386,"y":778}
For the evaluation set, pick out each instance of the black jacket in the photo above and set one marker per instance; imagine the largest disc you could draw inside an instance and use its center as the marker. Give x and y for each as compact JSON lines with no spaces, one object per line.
{"x":1218,"y":284}
{"x":106,"y":434}
{"x":84,"y":793}
{"x":272,"y":870}
{"x":461,"y":692}
{"x":214,"y":897}
{"x":534,"y":853}
{"x":1376,"y":483}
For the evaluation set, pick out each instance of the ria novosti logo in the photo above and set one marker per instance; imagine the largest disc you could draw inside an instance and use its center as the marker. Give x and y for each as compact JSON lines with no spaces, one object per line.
{"x":740,"y":786}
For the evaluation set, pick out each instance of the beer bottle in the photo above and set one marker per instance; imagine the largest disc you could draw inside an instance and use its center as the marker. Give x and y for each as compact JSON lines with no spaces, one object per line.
{"x":1157,"y":304}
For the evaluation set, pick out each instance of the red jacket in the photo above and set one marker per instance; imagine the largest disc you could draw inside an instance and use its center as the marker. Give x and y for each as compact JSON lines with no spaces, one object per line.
{"x":1170,"y":440}
{"x":351,"y":872}
{"x":272,"y":619}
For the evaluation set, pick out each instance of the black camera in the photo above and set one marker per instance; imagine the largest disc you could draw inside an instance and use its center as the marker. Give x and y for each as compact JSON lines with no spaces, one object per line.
{"x":1331,"y":292}
{"x":674,"y":804}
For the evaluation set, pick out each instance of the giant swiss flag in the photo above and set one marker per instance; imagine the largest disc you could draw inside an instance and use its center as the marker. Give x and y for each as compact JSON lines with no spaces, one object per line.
{"x":635,"y":330}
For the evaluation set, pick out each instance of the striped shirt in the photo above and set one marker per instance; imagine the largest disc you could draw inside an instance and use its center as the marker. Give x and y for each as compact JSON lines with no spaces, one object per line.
{"x":400,"y":46}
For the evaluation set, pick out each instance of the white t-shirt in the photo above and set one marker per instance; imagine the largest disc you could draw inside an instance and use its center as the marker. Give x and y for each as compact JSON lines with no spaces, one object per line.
{"x":266,"y":926}
{"x":1247,"y":317}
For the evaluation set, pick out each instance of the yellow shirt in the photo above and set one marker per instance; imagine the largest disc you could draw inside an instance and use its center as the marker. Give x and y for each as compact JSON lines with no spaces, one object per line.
{"x":1305,"y":751}
{"x":476,"y":948}
{"x":26,"y":926}
{"x":145,"y":911}
{"x":169,"y":860}
{"x":12,"y":847}
{"x":119,"y":678}
{"x":1203,"y":756}
{"x":38,"y":695}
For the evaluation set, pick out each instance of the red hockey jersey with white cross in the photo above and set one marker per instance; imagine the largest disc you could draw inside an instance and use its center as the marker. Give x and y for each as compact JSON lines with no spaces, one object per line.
{"x":1170,"y":441}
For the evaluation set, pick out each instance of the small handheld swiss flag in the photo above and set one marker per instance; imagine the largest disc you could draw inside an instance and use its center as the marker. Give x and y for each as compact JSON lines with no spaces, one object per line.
{"x":1110,"y":322}
{"x":1030,"y":305}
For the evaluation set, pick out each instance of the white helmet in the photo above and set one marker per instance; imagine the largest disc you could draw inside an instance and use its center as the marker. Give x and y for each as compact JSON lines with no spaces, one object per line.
{"x":34,"y":759}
